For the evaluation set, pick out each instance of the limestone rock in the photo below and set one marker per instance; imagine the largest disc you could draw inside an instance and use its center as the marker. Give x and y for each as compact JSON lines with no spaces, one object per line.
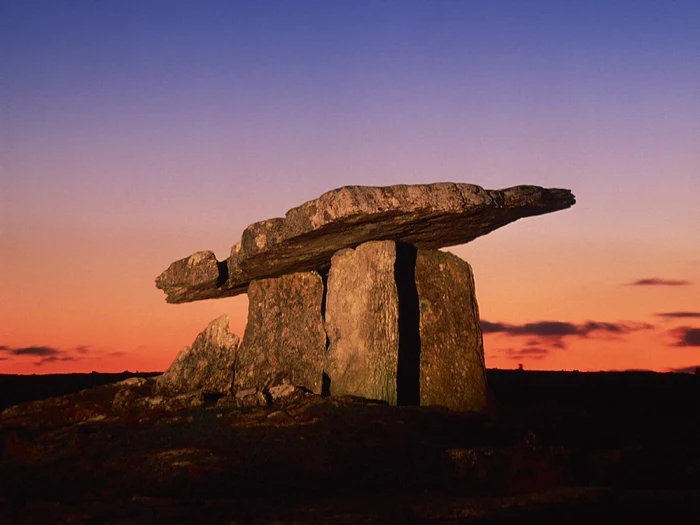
{"x":284,"y":341}
{"x":452,"y":369}
{"x":362,"y":322}
{"x":206,"y":366}
{"x":429,"y":216}
{"x":197,"y":275}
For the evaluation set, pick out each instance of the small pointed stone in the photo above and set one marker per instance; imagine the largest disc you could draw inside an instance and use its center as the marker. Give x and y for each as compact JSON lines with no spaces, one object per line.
{"x":206,"y":366}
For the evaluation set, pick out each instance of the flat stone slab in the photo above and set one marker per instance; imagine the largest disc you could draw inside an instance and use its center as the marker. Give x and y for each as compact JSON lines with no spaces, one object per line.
{"x":428,"y":216}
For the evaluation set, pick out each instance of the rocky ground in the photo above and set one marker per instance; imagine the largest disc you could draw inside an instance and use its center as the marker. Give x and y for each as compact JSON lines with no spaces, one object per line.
{"x":554,"y":447}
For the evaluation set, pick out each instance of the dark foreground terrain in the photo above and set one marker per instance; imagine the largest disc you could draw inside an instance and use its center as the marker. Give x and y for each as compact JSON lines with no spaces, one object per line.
{"x":554,"y":448}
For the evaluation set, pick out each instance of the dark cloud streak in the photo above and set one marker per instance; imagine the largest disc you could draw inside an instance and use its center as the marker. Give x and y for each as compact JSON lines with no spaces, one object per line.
{"x":47,"y":354}
{"x":658,"y":281}
{"x":686,"y":336}
{"x":559,"y":329}
{"x":53,"y":359}
{"x":679,"y":315}
{"x":527,"y":353}
{"x":41,"y":351}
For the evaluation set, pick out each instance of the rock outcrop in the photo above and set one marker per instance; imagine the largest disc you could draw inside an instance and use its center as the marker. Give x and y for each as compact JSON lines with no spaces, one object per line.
{"x":452,"y":368}
{"x":362,"y":322}
{"x":428,"y":216}
{"x":396,"y":320}
{"x":206,"y":366}
{"x":284,"y":341}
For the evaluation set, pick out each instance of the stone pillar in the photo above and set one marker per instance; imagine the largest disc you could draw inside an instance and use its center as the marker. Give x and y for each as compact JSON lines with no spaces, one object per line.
{"x":284,"y":340}
{"x":362,"y":314}
{"x":452,"y":369}
{"x":403,"y":326}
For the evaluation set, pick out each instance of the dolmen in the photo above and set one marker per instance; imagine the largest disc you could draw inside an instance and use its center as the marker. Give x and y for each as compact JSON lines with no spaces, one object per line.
{"x":349,"y":294}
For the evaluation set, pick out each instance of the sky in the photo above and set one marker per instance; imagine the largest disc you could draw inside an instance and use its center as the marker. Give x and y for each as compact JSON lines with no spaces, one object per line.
{"x":134,"y":133}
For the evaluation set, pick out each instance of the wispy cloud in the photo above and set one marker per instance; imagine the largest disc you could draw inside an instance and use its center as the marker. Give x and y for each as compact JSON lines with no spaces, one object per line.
{"x":40,"y":351}
{"x":46,"y":354}
{"x":658,"y":281}
{"x":53,"y":359}
{"x":679,"y":315}
{"x":686,"y":336}
{"x":561,"y":328}
{"x":530,"y":352}
{"x":545,"y":337}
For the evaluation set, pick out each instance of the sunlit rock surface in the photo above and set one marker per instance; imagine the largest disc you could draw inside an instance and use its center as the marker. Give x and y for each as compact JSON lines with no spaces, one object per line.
{"x":362,"y":322}
{"x":284,"y":341}
{"x":206,"y":366}
{"x":452,"y":368}
{"x":428,"y":216}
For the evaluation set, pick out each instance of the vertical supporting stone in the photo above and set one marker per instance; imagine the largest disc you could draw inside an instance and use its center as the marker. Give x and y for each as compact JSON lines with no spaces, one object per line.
{"x":452,"y":370}
{"x":284,"y":339}
{"x":362,"y":313}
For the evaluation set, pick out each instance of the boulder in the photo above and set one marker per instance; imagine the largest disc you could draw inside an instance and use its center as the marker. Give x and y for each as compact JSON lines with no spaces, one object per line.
{"x":452,"y":368}
{"x":428,"y":216}
{"x":199,"y":274}
{"x":206,"y":366}
{"x":284,"y":341}
{"x":362,"y":317}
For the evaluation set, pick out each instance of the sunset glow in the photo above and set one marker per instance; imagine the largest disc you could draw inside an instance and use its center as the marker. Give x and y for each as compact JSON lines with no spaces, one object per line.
{"x":135,"y":133}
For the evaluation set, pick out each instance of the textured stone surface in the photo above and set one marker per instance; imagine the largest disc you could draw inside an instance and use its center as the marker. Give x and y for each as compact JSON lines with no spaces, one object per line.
{"x":428,"y":216}
{"x":452,"y":371}
{"x":206,"y":366}
{"x":284,"y":341}
{"x":362,"y":322}
{"x":195,"y":276}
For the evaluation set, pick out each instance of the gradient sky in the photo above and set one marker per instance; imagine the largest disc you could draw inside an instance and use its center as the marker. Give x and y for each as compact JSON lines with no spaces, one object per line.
{"x":135,"y":133}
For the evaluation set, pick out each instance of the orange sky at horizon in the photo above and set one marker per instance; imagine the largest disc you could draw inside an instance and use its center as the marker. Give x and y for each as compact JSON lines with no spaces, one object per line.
{"x":137,"y":330}
{"x":132,"y":135}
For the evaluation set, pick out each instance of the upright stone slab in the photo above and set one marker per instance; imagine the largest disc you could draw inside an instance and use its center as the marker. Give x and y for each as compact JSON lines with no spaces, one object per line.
{"x":206,"y":366}
{"x":284,"y":339}
{"x":452,"y":371}
{"x":362,"y":312}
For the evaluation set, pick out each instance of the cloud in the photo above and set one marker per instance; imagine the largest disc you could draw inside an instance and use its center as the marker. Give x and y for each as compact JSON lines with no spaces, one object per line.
{"x":686,"y":336}
{"x":54,"y":358}
{"x":47,"y":354}
{"x":658,"y":281}
{"x":679,"y":315}
{"x":530,"y":352}
{"x":546,"y":336}
{"x":35,"y":351}
{"x":558,"y":329}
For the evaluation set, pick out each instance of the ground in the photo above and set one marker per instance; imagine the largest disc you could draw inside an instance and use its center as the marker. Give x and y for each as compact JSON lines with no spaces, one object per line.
{"x":571,"y":447}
